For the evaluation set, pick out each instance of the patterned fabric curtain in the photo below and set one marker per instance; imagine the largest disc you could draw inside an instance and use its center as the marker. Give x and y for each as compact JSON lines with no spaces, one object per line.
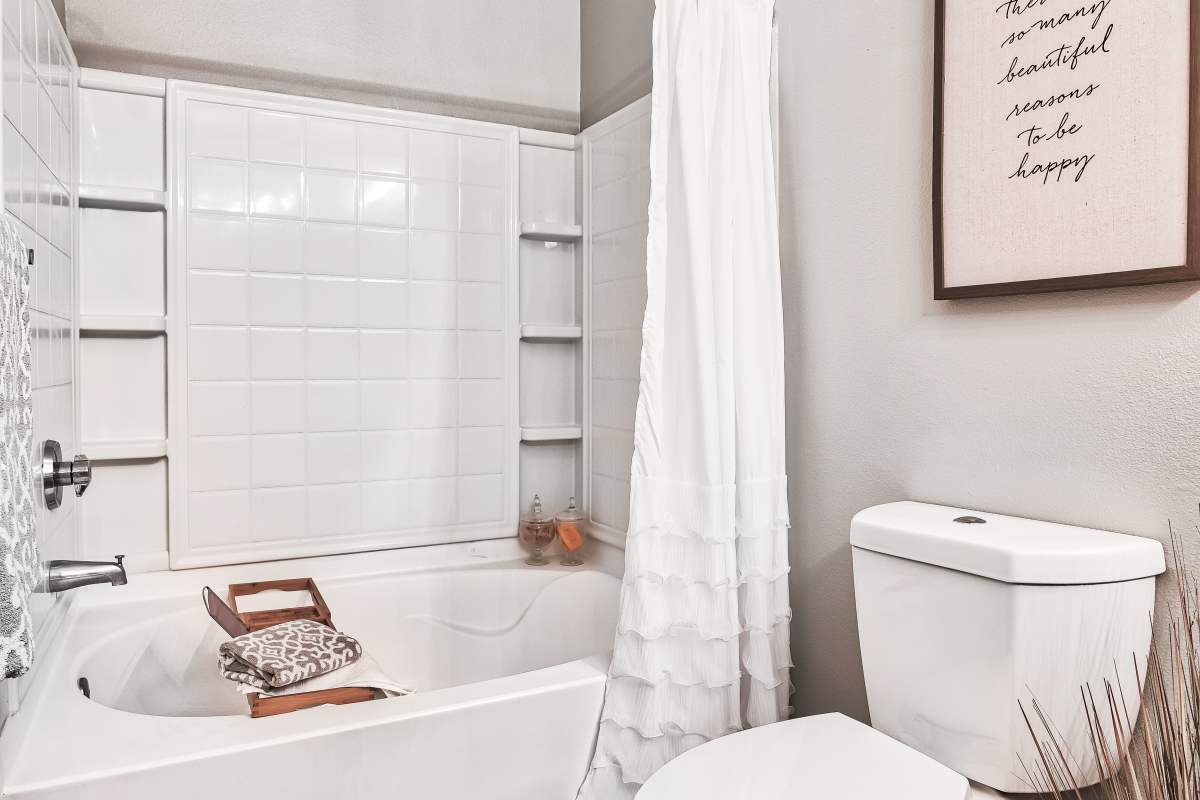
{"x":19,"y":562}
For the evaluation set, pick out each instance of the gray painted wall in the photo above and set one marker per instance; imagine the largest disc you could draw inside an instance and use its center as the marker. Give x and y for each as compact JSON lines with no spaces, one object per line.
{"x":615,"y":55}
{"x":1081,"y":408}
{"x":514,"y":62}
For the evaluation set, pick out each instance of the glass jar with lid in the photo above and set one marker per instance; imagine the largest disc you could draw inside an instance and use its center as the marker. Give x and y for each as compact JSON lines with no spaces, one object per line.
{"x":569,"y":525}
{"x":536,"y":532}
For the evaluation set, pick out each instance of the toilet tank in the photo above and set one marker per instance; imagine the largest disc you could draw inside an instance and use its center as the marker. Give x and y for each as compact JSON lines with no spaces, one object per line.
{"x":964,"y":615}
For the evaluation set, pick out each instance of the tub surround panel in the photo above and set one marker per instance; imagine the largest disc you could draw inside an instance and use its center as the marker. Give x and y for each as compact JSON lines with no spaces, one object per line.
{"x":345,"y":342}
{"x":617,"y":194}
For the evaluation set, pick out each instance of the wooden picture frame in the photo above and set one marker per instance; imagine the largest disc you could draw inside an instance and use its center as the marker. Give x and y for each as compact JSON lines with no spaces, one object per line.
{"x":947,"y":287}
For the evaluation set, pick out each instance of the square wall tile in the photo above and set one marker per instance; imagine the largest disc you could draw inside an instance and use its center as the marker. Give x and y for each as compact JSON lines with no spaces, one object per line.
{"x":331,"y":143}
{"x":214,"y":242}
{"x":218,"y":518}
{"x":434,"y":453}
{"x":330,"y":249}
{"x":481,"y":306}
{"x":218,"y":408}
{"x":384,"y":202}
{"x":333,"y":406}
{"x":481,"y":451}
{"x":482,"y":403}
{"x":218,"y":462}
{"x":330,"y":196}
{"x":481,"y":499}
{"x":217,"y":131}
{"x":332,"y":354}
{"x":278,"y":407}
{"x":432,"y":404}
{"x":433,"y":354}
{"x":217,"y":185}
{"x":218,"y":298}
{"x":432,"y":255}
{"x":276,"y":245}
{"x":216,"y":354}
{"x":333,"y":457}
{"x":334,"y":510}
{"x":434,"y":205}
{"x":331,"y":302}
{"x":278,"y":461}
{"x":275,"y":190}
{"x":277,"y":299}
{"x":382,"y":149}
{"x":384,"y":354}
{"x":278,"y":514}
{"x":482,"y":161}
{"x":277,"y":138}
{"x":433,"y":306}
{"x":481,"y":257}
{"x":382,"y":253}
{"x":382,"y":304}
{"x":433,"y":502}
{"x":385,"y":455}
{"x":385,"y":506}
{"x":483,"y":355}
{"x":433,"y":154}
{"x":482,"y":210}
{"x":384,"y":405}
{"x":277,"y":353}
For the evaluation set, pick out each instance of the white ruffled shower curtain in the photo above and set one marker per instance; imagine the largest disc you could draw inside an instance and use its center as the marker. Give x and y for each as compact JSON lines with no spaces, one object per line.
{"x":702,"y":641}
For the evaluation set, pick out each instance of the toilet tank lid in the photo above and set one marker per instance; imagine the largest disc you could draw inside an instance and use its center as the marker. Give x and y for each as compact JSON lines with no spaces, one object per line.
{"x":1009,"y":549}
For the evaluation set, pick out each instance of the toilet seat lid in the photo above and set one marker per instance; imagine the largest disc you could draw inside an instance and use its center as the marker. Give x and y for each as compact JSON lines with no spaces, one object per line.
{"x":829,"y":755}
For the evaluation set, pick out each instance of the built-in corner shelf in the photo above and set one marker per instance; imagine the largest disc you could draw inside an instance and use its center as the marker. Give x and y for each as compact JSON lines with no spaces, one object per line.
{"x":122,"y":323}
{"x":125,"y":451}
{"x":551,"y":333}
{"x":551,"y":231}
{"x":121,"y":198}
{"x":551,"y":433}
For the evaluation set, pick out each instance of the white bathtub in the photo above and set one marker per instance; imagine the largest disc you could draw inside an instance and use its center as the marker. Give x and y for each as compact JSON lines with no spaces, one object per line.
{"x":508,"y":662}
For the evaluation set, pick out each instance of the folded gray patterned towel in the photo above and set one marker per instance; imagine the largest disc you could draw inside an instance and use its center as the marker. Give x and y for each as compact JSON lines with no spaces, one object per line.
{"x":282,"y":654}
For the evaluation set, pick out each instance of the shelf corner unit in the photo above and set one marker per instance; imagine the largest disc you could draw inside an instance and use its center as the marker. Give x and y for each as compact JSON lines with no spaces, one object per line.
{"x":551,"y":231}
{"x":534,"y":434}
{"x":121,"y":198}
{"x":551,"y":333}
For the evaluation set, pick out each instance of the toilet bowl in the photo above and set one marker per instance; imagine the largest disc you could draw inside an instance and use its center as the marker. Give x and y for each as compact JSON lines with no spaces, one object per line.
{"x":963,"y":618}
{"x":825,"y":756}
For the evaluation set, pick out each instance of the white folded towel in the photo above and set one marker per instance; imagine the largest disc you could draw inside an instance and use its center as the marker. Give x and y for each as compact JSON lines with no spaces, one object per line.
{"x":364,"y":672}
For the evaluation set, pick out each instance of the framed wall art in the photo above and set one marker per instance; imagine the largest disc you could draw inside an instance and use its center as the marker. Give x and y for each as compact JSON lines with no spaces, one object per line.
{"x":1066,"y":145}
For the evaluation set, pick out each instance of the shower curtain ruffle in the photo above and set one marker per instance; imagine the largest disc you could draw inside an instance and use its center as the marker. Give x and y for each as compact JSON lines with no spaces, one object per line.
{"x":702,"y":643}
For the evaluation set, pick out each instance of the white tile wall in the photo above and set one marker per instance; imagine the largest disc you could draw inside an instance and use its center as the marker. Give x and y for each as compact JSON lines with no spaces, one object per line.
{"x":619,"y":195}
{"x":349,"y":332}
{"x":39,"y":75}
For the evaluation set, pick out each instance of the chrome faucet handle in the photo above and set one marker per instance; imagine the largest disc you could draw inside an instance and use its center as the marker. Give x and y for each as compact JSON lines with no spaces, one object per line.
{"x":81,"y":476}
{"x":57,"y":473}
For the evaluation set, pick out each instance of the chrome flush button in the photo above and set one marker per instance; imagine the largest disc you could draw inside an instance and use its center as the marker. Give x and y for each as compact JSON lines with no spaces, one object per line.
{"x":970,"y":520}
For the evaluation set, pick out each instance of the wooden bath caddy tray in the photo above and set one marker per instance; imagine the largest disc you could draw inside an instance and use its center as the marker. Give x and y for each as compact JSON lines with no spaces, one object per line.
{"x":318,"y":612}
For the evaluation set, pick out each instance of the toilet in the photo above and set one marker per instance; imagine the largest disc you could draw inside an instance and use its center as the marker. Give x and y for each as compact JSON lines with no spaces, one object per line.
{"x":964,"y":618}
